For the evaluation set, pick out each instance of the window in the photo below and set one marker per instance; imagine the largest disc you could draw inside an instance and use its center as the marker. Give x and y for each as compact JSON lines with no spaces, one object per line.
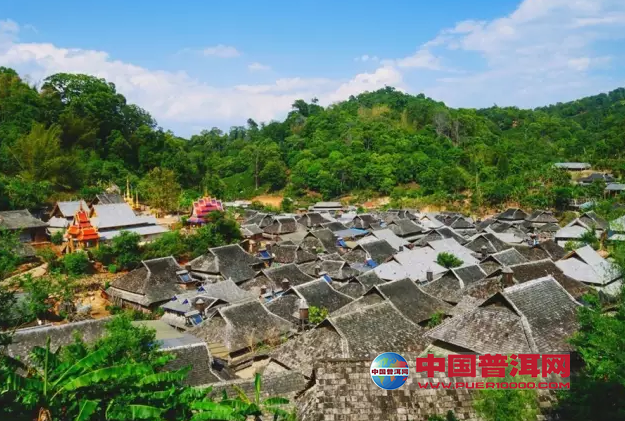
{"x":196,"y":319}
{"x":184,"y":276}
{"x":371,"y":263}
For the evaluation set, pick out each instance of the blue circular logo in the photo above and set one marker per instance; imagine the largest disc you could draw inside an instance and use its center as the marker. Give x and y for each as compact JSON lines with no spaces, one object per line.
{"x":389,"y":371}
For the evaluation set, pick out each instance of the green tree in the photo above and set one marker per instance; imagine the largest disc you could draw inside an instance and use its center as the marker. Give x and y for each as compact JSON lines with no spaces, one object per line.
{"x":126,"y":250}
{"x":169,"y":244}
{"x":161,"y":189}
{"x":287,"y":205}
{"x":448,"y":260}
{"x":9,"y":259}
{"x":38,"y":155}
{"x":506,"y":405}
{"x":76,"y":263}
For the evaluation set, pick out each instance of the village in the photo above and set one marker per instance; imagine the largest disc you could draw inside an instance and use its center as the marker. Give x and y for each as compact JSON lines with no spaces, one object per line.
{"x":307,"y":299}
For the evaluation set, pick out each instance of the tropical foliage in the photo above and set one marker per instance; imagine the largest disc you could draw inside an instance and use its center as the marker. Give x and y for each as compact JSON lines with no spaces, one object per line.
{"x":123,"y":376}
{"x":77,"y":133}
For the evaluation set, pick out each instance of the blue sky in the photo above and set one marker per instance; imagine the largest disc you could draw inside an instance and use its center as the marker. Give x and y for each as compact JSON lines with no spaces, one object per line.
{"x":199,"y":64}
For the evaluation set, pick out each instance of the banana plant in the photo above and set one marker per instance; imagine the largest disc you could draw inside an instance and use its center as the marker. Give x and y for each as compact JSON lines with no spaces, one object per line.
{"x":245,"y":406}
{"x":54,"y":389}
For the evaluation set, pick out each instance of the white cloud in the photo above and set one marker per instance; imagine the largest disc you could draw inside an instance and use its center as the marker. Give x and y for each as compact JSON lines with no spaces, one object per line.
{"x":423,"y":58}
{"x":383,"y":76}
{"x":178,"y":100}
{"x":9,"y":26}
{"x":365,"y":58}
{"x":221,"y":51}
{"x":258,"y":67}
{"x":544,"y":51}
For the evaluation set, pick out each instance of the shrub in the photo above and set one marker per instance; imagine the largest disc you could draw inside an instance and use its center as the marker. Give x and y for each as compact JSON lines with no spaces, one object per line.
{"x":50,"y":257}
{"x":76,"y":263}
{"x":317,"y":315}
{"x":112,"y":268}
{"x":57,"y":238}
{"x":436,"y":319}
{"x":103,"y":254}
{"x":448,"y":260}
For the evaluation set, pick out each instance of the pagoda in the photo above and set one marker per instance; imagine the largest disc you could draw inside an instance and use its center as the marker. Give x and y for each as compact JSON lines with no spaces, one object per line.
{"x":81,"y":234}
{"x":133,"y":202}
{"x":202,"y":208}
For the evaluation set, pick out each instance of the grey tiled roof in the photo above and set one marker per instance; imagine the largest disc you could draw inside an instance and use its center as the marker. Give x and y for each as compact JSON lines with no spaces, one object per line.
{"x":60,"y":335}
{"x":364,"y":221}
{"x":372,"y":330}
{"x":108,"y":199}
{"x":251,"y":230}
{"x":303,"y":351}
{"x":327,"y":238}
{"x":227,"y":291}
{"x":285,"y":306}
{"x":485,"y":330}
{"x":230,"y":261}
{"x":404,"y":227}
{"x":155,"y":281}
{"x":241,"y":325}
{"x":290,"y":272}
{"x":591,"y":218}
{"x":281,"y":225}
{"x":512,"y":214}
{"x":338,"y":270}
{"x":550,"y":311}
{"x":440,"y":234}
{"x":320,"y":294}
{"x":311,"y":219}
{"x":586,"y":265}
{"x":507,"y":257}
{"x":334,"y":226}
{"x":525,"y":272}
{"x":19,"y":219}
{"x":387,"y":235}
{"x":370,"y":279}
{"x":378,"y":250}
{"x":116,"y":215}
{"x":415,"y":304}
{"x":542,"y":217}
{"x":488,"y":240}
{"x":291,"y":254}
{"x":69,"y":208}
{"x":452,"y":285}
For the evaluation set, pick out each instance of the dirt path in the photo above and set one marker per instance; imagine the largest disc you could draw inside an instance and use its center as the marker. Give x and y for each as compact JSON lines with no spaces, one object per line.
{"x":269,"y":200}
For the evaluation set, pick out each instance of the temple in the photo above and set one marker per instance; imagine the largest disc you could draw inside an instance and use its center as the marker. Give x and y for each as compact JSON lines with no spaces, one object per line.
{"x":81,"y":234}
{"x":202,"y":208}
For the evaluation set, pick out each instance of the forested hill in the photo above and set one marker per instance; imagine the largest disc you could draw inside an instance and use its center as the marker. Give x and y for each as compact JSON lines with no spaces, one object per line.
{"x":76,"y":134}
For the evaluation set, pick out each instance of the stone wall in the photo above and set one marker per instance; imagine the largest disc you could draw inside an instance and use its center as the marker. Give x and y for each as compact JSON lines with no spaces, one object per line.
{"x":344,"y":391}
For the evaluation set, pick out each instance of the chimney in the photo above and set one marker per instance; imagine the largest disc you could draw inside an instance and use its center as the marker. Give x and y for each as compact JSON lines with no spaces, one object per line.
{"x":303,"y":313}
{"x":317,"y":270}
{"x":507,"y":276}
{"x":429,"y":275}
{"x":401,"y":248}
{"x":200,"y":305}
{"x":285,"y":284}
{"x":263,"y":290}
{"x":484,"y":252}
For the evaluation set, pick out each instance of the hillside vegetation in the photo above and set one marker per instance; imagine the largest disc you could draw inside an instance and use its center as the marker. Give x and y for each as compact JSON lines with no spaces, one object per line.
{"x":76,"y":134}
